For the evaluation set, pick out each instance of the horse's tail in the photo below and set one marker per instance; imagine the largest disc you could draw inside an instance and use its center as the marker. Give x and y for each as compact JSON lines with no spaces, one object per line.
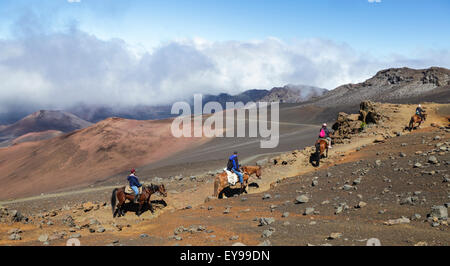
{"x":113,"y":200}
{"x":411,"y":123}
{"x":216,"y":186}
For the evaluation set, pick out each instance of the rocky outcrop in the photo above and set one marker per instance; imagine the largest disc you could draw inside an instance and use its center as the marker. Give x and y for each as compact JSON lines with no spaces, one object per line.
{"x":391,"y":85}
{"x":349,"y":124}
{"x":368,"y":114}
{"x":346,"y":124}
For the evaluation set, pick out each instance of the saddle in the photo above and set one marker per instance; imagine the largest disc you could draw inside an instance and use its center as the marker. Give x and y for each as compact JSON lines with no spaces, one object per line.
{"x":128,"y":190}
{"x":232,"y":177}
{"x":326,"y":140}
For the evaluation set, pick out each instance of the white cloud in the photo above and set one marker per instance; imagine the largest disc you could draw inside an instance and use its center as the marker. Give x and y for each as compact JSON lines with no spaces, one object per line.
{"x":374,"y":1}
{"x":74,"y":1}
{"x":57,"y":70}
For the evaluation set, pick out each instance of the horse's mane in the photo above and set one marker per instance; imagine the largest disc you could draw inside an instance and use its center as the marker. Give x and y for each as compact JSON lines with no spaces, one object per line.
{"x":153,"y":187}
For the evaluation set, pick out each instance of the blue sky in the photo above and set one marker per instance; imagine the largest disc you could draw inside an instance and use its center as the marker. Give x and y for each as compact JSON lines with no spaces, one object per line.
{"x":151,"y":52}
{"x":384,"y":27}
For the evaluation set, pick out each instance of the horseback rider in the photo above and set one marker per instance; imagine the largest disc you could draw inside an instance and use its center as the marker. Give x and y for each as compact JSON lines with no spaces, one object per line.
{"x":419,"y":112}
{"x":233,"y":165}
{"x":324,"y":133}
{"x":134,"y":184}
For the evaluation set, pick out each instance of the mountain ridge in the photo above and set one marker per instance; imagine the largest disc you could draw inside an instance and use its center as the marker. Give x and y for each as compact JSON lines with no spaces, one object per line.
{"x":390,"y":85}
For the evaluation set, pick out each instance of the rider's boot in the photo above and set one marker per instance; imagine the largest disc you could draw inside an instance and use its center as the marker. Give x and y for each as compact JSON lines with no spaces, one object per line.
{"x":136,"y":198}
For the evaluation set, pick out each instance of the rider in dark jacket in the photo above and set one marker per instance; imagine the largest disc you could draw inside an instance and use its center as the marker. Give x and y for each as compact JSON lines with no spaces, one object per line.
{"x":134,"y":184}
{"x":233,"y":165}
{"x":420,"y":111}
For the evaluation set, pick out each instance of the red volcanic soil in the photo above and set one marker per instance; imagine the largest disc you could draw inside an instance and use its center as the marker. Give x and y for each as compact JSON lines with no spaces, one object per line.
{"x":86,"y":156}
{"x":36,"y":136}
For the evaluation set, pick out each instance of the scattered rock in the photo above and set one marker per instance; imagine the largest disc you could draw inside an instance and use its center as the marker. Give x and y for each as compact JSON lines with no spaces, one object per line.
{"x":88,"y":206}
{"x":432,"y":159}
{"x":15,"y":237}
{"x":268,"y":232}
{"x":416,"y":216}
{"x":266,"y":221}
{"x":347,"y":187}
{"x":267,"y":196}
{"x":402,"y":220}
{"x":43,"y":238}
{"x":417,"y":165}
{"x":361,"y":204}
{"x":335,"y":236}
{"x":440,"y":212}
{"x":68,"y":221}
{"x":234,"y":238}
{"x":308,"y":211}
{"x":77,"y":235}
{"x":301,"y":199}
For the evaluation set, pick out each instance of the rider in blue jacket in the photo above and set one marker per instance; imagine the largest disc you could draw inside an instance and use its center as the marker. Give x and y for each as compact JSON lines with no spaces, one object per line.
{"x":233,"y":165}
{"x":134,"y":184}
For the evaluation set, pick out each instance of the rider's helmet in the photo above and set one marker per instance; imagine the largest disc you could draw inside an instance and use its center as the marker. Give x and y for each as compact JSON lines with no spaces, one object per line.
{"x":420,"y":105}
{"x":324,"y":125}
{"x":235,"y":152}
{"x":133,"y":171}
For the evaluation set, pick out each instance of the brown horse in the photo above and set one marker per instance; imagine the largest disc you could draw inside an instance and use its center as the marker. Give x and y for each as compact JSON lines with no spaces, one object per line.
{"x":221,"y":181}
{"x":321,"y":147}
{"x":415,"y":119}
{"x":250,"y":170}
{"x":144,"y":197}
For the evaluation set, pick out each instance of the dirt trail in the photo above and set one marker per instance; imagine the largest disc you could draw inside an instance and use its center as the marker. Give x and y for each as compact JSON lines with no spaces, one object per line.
{"x":186,"y":200}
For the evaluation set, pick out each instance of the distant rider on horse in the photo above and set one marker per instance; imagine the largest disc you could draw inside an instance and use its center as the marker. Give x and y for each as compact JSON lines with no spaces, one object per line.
{"x":324,"y":133}
{"x":419,"y":112}
{"x":233,"y":165}
{"x":134,"y":184}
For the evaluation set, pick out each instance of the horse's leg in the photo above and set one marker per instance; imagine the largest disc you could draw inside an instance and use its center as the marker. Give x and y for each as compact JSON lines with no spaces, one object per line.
{"x":140,"y":203}
{"x":138,"y":213}
{"x":121,"y":197}
{"x":216,"y":187}
{"x":242,"y":188}
{"x":119,"y":210}
{"x":149,"y":203}
{"x":221,"y":184}
{"x":151,"y":207}
{"x":220,"y":190}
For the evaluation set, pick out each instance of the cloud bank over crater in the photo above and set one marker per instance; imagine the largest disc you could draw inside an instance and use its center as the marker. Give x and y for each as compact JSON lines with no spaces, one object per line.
{"x":57,"y":70}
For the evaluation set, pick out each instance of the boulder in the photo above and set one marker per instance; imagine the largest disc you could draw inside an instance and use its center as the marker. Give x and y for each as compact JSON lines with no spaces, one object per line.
{"x":301,"y":199}
{"x":440,"y":212}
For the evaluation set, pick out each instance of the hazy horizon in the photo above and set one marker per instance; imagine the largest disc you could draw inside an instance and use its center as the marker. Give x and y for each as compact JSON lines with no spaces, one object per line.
{"x":60,"y":54}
